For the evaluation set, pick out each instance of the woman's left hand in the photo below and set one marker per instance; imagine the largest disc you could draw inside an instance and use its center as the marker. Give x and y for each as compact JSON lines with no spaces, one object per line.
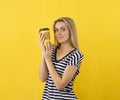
{"x":48,"y":51}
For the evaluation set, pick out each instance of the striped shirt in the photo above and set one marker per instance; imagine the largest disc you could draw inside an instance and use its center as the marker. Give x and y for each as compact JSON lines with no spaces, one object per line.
{"x":73,"y":58}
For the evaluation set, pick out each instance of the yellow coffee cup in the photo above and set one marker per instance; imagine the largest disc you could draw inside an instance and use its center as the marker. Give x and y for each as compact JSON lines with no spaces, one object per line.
{"x":46,"y":32}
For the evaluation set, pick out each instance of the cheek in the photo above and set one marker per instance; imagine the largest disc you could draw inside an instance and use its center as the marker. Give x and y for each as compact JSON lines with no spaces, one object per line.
{"x":68,"y":35}
{"x":55,"y":35}
{"x":68,"y":38}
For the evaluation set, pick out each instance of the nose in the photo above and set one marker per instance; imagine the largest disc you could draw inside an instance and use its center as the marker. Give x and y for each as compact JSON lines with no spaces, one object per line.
{"x":59,"y":32}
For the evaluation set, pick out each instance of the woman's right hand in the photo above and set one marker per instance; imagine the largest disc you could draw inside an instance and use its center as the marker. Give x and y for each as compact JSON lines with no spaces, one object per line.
{"x":43,"y":71}
{"x":41,"y":41}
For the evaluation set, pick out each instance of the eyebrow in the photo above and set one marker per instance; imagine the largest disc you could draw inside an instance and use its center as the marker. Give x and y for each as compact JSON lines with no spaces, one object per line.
{"x":61,"y":27}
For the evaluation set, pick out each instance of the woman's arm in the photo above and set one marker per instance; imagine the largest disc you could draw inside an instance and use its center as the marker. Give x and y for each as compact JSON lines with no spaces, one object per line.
{"x":68,"y":74}
{"x":43,"y":71}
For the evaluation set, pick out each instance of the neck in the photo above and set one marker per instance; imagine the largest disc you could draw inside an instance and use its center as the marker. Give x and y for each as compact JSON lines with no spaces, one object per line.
{"x":66,"y":47}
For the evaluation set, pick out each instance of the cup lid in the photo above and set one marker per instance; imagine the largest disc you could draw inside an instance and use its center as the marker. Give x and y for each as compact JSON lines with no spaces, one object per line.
{"x":43,"y":29}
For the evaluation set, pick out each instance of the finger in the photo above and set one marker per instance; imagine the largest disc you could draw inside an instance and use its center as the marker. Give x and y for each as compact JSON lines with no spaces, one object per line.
{"x":49,"y":45}
{"x":42,"y":38}
{"x":44,"y":48}
{"x":39,"y":34}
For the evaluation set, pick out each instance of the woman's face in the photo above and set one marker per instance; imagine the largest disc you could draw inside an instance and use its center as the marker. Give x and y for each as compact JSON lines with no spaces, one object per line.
{"x":62,"y":33}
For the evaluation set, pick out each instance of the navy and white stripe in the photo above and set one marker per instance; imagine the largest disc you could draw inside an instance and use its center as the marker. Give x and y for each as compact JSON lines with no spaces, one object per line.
{"x":73,"y":58}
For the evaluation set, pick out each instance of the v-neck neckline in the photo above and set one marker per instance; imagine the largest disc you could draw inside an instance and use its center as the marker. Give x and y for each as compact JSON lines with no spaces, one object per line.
{"x":57,"y":60}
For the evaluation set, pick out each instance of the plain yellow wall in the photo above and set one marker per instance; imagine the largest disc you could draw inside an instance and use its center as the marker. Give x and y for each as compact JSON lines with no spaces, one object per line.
{"x":98,"y":25}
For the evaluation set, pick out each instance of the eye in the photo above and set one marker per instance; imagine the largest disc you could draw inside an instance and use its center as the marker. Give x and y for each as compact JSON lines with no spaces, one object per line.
{"x":63,"y":29}
{"x":56,"y":30}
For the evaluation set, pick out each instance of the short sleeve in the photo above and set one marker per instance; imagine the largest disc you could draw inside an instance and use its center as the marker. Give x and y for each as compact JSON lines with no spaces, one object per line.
{"x":75,"y":59}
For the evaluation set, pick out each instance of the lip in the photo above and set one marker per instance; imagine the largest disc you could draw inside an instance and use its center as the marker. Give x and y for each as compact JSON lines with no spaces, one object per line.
{"x":60,"y":37}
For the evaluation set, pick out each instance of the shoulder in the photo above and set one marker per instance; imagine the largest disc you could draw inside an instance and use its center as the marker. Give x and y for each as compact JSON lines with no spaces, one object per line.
{"x":77,"y":53}
{"x":75,"y":58}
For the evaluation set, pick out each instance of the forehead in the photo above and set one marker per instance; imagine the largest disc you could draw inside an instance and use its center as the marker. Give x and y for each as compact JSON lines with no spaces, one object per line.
{"x":60,"y":25}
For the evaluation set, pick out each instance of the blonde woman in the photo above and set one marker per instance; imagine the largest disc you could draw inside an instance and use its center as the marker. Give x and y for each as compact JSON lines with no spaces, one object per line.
{"x":60,"y":64}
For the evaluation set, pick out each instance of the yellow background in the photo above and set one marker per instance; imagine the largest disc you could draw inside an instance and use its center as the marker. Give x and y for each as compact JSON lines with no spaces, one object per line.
{"x":98,"y":25}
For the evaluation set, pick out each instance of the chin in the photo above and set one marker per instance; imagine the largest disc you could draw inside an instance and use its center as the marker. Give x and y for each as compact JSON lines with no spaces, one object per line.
{"x":59,"y":41}
{"x":62,"y":41}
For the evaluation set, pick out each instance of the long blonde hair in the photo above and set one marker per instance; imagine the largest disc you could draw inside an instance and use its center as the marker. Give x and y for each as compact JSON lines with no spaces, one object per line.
{"x":72,"y":29}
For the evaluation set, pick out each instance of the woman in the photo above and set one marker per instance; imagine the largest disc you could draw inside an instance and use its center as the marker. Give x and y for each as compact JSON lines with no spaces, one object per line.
{"x":60,"y":63}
